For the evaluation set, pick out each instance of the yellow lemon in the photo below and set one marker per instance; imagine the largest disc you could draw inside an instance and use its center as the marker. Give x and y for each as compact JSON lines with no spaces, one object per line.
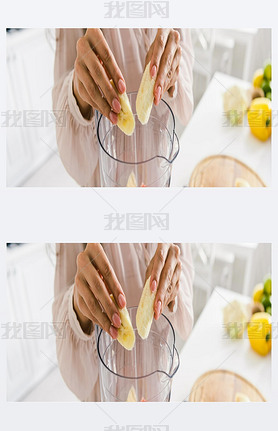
{"x":258,"y":292}
{"x":258,"y":78}
{"x":259,"y":118}
{"x":259,"y":333}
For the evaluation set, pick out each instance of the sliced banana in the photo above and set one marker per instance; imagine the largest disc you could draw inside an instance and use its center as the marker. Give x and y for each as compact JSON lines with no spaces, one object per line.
{"x":241,"y":398}
{"x":144,"y":99}
{"x":241,"y":182}
{"x":145,"y":312}
{"x":132,"y":398}
{"x":126,"y":120}
{"x":126,"y":335}
{"x":131,"y":182}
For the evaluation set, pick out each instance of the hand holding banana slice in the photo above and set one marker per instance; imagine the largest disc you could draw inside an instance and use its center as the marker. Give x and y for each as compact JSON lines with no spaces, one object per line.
{"x":160,"y":75}
{"x":165,"y":271}
{"x":93,"y":68}
{"x":164,"y":58}
{"x":160,"y":290}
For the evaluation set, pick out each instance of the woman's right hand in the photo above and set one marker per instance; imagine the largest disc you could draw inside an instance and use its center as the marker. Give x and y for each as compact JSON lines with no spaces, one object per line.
{"x":94,"y":66}
{"x":95,"y":280}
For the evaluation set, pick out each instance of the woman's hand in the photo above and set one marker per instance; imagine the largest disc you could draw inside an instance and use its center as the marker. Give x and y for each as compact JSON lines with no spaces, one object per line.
{"x":94,"y":281}
{"x":165,"y":270}
{"x":164,"y":55}
{"x":93,"y":68}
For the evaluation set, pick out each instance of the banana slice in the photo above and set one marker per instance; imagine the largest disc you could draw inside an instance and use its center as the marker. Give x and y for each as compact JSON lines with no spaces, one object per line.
{"x":241,"y":398}
{"x":126,"y":335}
{"x":132,"y":398}
{"x":131,"y":182}
{"x":144,"y":315}
{"x":144,"y":99}
{"x":241,"y":182}
{"x":126,"y":120}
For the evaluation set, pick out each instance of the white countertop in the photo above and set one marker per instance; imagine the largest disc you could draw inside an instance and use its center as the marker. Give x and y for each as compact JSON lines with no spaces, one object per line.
{"x":207,"y":134}
{"x":208,"y":348}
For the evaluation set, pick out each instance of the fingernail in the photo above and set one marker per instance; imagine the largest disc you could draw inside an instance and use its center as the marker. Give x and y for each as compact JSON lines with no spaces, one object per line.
{"x":113,"y":332}
{"x":113,"y":117}
{"x":116,"y":105}
{"x":121,"y":85}
{"x":121,"y":300}
{"x":158,"y":308}
{"x":158,"y":93}
{"x":153,"y":71}
{"x":153,"y":286}
{"x":116,"y":320}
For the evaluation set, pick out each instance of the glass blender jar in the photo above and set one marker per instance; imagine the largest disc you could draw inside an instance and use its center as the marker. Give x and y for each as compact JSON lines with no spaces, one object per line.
{"x":146,"y":371}
{"x":143,"y":159}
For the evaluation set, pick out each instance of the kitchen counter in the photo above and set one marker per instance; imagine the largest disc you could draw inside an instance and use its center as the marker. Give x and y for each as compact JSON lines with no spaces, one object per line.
{"x":209,"y":348}
{"x":208,"y":134}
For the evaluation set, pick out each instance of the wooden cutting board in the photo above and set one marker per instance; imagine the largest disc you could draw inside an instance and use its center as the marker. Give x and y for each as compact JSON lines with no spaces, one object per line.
{"x":222,"y":171}
{"x":222,"y":386}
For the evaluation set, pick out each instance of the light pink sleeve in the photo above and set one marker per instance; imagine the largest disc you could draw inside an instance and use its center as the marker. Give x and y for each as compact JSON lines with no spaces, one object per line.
{"x":76,"y":138}
{"x":182,"y":100}
{"x":76,"y":351}
{"x":182,"y":317}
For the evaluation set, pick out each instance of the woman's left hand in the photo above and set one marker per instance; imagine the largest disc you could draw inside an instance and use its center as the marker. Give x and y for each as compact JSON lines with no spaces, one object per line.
{"x":164,"y":55}
{"x":165,"y":271}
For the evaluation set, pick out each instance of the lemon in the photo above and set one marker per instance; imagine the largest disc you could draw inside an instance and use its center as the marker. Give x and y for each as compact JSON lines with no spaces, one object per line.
{"x":259,"y":333}
{"x":267,"y":71}
{"x":258,"y":292}
{"x":259,"y":118}
{"x":258,"y":78}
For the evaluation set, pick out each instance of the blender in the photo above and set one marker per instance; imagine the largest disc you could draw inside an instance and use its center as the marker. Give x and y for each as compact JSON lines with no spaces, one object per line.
{"x":143,"y":159}
{"x":146,"y":371}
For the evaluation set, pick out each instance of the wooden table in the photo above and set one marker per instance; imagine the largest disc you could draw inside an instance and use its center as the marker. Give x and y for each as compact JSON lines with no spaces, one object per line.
{"x":208,"y":134}
{"x":208,"y":348}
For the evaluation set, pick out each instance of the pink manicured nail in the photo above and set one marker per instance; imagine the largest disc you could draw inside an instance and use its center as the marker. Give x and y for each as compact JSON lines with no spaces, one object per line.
{"x":113,"y":117}
{"x":113,"y":332}
{"x":153,"y":71}
{"x":158,"y":309}
{"x":158,"y":93}
{"x":153,"y":286}
{"x":116,"y":320}
{"x":121,"y":85}
{"x":116,"y":105}
{"x":121,"y":300}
